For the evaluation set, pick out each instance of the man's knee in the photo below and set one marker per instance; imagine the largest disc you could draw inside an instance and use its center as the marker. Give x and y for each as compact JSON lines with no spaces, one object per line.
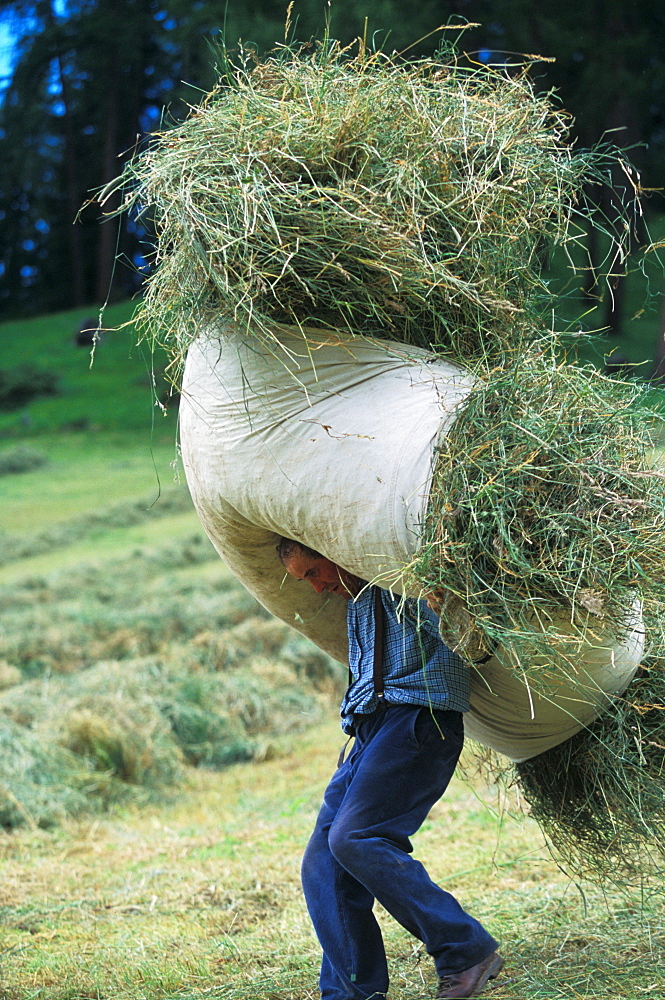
{"x":347,"y":847}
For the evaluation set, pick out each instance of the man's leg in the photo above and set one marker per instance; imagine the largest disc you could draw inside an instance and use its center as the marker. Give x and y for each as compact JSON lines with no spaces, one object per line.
{"x":400,"y":767}
{"x":354,"y":960}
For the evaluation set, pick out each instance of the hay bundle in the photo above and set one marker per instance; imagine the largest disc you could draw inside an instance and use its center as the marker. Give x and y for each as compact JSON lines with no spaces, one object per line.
{"x":544,"y":498}
{"x":600,"y":796}
{"x":408,"y":201}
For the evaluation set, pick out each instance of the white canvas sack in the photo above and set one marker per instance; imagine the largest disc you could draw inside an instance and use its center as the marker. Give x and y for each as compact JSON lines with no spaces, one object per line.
{"x":330,"y":439}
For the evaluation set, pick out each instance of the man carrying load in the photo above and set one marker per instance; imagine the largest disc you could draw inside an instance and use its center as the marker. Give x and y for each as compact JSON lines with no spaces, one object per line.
{"x":404,"y":706}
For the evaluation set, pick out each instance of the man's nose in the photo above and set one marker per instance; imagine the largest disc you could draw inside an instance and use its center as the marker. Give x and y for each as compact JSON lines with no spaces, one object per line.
{"x":319,"y":585}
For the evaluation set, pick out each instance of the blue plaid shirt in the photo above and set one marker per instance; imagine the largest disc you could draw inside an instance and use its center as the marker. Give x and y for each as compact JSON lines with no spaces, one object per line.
{"x":418,"y":668}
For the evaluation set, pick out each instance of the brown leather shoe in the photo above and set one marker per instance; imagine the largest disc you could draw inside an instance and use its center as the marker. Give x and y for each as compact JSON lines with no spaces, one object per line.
{"x":460,"y":985}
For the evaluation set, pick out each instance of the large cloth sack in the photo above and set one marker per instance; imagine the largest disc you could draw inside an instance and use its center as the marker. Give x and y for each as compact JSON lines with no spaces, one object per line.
{"x":523,"y":710}
{"x":332,"y":440}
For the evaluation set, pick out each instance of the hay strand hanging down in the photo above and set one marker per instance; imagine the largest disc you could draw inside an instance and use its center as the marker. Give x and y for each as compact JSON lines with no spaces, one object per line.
{"x":411,"y":201}
{"x":600,"y":796}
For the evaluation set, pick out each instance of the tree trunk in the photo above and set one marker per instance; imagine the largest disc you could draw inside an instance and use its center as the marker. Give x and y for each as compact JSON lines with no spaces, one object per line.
{"x":74,"y":198}
{"x":620,"y":120}
{"x":106,"y":247}
{"x":74,"y":193}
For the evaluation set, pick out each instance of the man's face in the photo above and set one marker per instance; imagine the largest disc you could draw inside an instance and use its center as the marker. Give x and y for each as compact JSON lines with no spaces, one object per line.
{"x":322,"y":574}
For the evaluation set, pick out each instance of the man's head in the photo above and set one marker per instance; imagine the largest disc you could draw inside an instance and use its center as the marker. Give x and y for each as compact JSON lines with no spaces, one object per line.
{"x":322,"y":574}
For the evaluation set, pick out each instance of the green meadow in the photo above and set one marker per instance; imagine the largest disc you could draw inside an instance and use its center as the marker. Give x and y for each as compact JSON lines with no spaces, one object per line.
{"x":164,"y":743}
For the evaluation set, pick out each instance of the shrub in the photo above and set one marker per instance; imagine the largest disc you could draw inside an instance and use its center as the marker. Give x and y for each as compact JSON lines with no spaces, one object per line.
{"x":21,"y":459}
{"x":24,"y":383}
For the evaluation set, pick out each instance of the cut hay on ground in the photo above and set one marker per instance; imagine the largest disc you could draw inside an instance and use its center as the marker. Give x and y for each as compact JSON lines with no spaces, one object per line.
{"x":412,"y":201}
{"x":40,"y":784}
{"x":113,"y":675}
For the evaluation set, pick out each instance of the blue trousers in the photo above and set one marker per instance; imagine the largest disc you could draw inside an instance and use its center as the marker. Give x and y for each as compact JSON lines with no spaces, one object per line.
{"x":401,"y":763}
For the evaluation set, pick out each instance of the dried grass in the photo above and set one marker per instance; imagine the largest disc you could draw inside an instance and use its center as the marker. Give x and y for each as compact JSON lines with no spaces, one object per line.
{"x":139,"y":666}
{"x":39,"y":784}
{"x":413,"y":201}
{"x":545,"y":498}
{"x":600,"y":796}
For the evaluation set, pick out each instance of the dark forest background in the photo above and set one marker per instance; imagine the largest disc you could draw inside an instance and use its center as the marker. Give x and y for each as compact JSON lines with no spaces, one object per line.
{"x":91,"y":77}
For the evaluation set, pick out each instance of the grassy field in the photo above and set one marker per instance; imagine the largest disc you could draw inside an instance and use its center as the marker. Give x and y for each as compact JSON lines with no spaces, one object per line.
{"x":164,"y":746}
{"x":114,"y":393}
{"x":199,"y":897}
